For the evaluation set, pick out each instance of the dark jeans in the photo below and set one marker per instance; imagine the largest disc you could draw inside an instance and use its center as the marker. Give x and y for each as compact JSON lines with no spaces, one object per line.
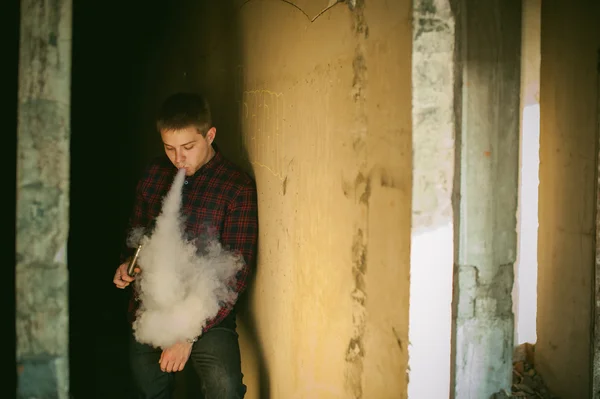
{"x":215,"y":357}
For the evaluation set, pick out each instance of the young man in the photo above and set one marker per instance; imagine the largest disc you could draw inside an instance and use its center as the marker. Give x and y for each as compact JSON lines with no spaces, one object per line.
{"x":216,"y":197}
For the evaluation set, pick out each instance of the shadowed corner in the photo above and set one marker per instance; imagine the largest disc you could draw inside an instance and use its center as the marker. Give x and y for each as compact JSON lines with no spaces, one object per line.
{"x":253,"y":362}
{"x":254,"y":366}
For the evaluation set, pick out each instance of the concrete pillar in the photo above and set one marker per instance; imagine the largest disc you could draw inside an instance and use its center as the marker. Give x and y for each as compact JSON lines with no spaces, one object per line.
{"x":43,"y":199}
{"x":488,"y":114}
{"x":432,"y":234}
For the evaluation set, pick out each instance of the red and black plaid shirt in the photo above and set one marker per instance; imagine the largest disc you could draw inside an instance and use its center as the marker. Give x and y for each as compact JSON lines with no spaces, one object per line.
{"x":218,"y":197}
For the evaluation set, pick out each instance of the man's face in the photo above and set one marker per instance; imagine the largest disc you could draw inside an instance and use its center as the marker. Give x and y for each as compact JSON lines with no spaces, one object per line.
{"x":187,"y":148}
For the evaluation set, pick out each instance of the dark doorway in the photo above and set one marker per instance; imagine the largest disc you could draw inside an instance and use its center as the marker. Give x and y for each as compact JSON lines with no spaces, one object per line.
{"x":111,"y":40}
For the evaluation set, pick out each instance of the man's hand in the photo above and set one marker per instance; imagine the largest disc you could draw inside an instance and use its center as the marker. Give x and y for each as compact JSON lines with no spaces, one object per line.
{"x":174,"y":357}
{"x":122,"y":279}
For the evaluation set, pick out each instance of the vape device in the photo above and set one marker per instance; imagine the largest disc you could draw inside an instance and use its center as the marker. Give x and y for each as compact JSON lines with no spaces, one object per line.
{"x":132,"y":264}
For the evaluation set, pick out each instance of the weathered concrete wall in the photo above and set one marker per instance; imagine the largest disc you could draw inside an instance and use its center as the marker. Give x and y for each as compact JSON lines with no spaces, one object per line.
{"x":432,"y":237}
{"x":487,"y":201}
{"x":320,"y":111}
{"x":568,"y":150}
{"x":43,"y":199}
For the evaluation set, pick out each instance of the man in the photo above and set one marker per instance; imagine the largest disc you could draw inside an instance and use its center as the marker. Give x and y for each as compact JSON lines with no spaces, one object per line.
{"x":216,"y":196}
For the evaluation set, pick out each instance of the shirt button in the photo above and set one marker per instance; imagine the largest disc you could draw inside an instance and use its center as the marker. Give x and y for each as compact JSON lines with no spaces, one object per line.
{"x":185,"y":182}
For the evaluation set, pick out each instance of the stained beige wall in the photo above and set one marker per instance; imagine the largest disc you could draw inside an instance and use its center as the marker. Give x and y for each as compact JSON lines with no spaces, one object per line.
{"x":319,"y":110}
{"x":570,"y":40}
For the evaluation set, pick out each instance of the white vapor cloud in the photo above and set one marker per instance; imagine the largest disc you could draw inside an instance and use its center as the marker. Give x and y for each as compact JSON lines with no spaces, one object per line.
{"x":180,"y":286}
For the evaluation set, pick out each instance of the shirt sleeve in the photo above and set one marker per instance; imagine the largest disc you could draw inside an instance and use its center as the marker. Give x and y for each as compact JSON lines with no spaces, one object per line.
{"x":240,"y":235}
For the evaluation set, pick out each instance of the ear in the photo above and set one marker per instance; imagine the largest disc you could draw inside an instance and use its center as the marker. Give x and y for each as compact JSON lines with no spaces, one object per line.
{"x":210,"y":135}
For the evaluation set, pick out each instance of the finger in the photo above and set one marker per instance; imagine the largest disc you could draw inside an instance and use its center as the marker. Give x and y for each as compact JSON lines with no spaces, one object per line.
{"x":174,"y":367}
{"x":119,"y":282}
{"x":177,"y":365}
{"x":127,"y":278}
{"x":165,"y":360}
{"x":170,"y":366}
{"x":122,"y":270}
{"x":181,"y":366}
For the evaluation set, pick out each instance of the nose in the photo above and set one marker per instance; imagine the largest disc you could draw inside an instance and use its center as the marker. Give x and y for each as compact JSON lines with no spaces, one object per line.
{"x":179,"y":157}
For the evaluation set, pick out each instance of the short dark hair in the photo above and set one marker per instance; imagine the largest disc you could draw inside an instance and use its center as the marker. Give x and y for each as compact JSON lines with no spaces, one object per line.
{"x":183,"y":110}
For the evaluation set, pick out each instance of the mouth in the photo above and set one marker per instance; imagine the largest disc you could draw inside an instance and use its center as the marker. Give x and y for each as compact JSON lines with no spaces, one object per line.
{"x":184,"y":168}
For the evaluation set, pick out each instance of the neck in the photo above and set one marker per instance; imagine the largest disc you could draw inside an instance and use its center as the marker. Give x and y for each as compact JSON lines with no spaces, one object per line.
{"x":211,"y":154}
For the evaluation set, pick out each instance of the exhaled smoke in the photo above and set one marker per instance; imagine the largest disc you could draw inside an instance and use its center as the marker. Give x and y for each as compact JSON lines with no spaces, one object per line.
{"x":181,"y":286}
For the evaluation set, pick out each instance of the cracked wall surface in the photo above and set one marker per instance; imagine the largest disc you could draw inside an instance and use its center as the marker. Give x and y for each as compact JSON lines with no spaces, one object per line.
{"x":43,"y":199}
{"x":317,"y":105}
